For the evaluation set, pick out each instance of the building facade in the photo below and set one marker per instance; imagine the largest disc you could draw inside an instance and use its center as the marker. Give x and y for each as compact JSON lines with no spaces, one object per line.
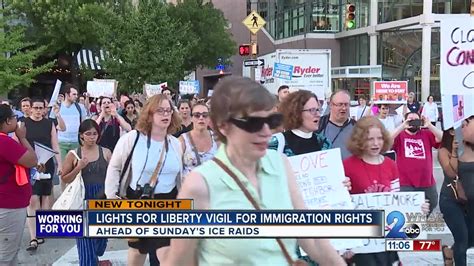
{"x":392,"y":39}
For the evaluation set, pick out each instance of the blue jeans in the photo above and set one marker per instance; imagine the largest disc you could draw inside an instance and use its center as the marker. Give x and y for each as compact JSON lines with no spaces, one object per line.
{"x":461,"y":225}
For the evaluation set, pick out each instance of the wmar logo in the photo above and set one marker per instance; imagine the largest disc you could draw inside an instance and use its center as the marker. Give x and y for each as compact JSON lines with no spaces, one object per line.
{"x":409,"y":231}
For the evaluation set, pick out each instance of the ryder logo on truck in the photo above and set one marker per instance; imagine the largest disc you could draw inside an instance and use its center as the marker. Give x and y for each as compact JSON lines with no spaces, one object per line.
{"x":306,"y":72}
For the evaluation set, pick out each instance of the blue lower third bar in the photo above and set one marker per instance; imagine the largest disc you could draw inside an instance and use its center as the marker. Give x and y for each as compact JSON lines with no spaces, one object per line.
{"x":59,"y":224}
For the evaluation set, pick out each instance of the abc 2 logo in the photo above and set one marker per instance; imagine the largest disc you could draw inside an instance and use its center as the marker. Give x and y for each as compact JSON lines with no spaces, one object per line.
{"x":399,"y":230}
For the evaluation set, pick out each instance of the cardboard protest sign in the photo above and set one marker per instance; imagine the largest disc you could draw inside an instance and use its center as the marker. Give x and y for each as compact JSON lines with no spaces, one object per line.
{"x":54,"y":96}
{"x":189,"y":87}
{"x":320,"y":177}
{"x":390,"y":92}
{"x":456,"y":70}
{"x":101,"y":88}
{"x":388,"y":201}
{"x":153,"y":89}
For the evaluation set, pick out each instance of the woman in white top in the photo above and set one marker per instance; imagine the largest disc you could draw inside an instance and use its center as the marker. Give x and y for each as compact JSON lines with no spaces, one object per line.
{"x":151,"y":146}
{"x":430,"y":110}
{"x":363,"y":109}
{"x":198,"y":144}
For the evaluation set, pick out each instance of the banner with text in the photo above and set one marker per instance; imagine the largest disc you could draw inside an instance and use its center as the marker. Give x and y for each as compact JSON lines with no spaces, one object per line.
{"x":390,"y":92}
{"x":456,"y":70}
{"x":153,"y":89}
{"x":189,"y":87}
{"x":388,"y":201}
{"x":320,"y":177}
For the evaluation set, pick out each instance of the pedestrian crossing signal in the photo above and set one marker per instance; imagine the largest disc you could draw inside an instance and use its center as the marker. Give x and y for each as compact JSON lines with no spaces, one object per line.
{"x":350,"y":16}
{"x":244,"y":49}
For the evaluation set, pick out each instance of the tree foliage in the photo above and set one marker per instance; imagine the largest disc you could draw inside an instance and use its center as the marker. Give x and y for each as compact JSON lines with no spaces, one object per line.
{"x":145,"y":45}
{"x":208,"y":32}
{"x":62,"y":25}
{"x":17,"y":57}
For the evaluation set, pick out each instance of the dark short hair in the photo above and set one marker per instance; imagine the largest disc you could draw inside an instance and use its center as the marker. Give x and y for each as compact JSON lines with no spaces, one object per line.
{"x":26,"y":99}
{"x":68,"y":87}
{"x":184,"y":102}
{"x":166,"y":89}
{"x":86,"y":125}
{"x":282,"y":87}
{"x":406,"y":115}
{"x":238,"y":96}
{"x":5,"y":113}
{"x":37,"y":100}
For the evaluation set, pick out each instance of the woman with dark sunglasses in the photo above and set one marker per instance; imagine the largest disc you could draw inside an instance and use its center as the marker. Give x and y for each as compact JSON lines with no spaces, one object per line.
{"x":243,"y":117}
{"x":198,"y":144}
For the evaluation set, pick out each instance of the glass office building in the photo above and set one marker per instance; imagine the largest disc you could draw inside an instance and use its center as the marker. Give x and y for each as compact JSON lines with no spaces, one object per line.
{"x":390,"y":35}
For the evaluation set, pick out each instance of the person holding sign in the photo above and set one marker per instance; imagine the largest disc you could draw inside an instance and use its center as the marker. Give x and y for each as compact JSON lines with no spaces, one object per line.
{"x":41,"y":130}
{"x":371,"y":172}
{"x":301,"y":115}
{"x":243,"y":117}
{"x":110,"y":123}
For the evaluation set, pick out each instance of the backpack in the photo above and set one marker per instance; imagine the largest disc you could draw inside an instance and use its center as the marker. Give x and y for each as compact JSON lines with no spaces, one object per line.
{"x":323,"y":122}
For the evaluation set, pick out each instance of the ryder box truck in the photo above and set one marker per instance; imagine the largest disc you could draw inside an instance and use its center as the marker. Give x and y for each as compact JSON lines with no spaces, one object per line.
{"x":308,"y":69}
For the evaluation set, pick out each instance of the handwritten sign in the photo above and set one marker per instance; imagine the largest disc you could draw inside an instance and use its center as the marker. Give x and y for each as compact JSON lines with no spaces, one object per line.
{"x":189,"y":87}
{"x":320,"y":177}
{"x":456,"y":71}
{"x":388,"y":201}
{"x":98,"y":88}
{"x":390,"y":92}
{"x":153,"y":89}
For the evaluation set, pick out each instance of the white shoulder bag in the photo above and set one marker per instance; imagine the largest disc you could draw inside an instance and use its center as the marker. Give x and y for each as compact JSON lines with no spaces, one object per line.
{"x":73,"y":196}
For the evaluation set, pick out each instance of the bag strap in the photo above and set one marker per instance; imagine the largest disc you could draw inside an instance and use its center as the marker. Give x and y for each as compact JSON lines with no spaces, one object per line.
{"x":127,"y":162}
{"x":159,"y":165}
{"x":194,"y":148}
{"x":253,"y":202}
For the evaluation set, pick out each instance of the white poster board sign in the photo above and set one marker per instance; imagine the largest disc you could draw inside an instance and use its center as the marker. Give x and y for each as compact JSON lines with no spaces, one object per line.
{"x":320,"y":177}
{"x":456,"y":69}
{"x":387,"y":201}
{"x":154,"y":89}
{"x":189,"y":87}
{"x":101,"y":88}
{"x":43,"y":153}
{"x":54,"y":96}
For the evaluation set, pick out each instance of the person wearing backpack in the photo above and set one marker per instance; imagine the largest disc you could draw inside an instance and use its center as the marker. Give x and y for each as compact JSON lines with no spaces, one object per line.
{"x":73,"y":114}
{"x":337,"y":125}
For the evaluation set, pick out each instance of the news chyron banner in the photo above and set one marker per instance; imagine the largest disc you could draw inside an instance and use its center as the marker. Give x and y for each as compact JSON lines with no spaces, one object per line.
{"x":177,"y":219}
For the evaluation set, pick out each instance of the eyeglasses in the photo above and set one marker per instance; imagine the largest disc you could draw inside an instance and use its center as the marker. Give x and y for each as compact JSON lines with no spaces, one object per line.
{"x":91,"y":134}
{"x":38,"y":107}
{"x":312,"y":111}
{"x":203,"y":115}
{"x":253,"y":124}
{"x":163,"y":111}
{"x":341,"y":104}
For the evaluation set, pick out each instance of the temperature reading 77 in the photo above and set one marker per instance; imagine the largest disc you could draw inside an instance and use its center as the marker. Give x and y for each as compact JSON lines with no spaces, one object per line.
{"x":427,"y":243}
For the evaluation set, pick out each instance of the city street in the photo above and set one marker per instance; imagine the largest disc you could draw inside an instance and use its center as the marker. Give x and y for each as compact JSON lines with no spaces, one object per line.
{"x":64,"y":252}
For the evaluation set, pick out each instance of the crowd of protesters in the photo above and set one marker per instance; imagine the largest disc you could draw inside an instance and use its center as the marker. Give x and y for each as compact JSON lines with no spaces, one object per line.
{"x":195,"y":148}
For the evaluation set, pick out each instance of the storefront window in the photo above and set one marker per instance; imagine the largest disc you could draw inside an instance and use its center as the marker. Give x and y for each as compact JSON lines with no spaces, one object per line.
{"x":355,"y":51}
{"x":326,"y":16}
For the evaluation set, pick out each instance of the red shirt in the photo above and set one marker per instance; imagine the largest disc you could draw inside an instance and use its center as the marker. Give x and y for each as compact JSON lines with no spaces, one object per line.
{"x":12,"y":196}
{"x":370,"y":178}
{"x":415,"y":158}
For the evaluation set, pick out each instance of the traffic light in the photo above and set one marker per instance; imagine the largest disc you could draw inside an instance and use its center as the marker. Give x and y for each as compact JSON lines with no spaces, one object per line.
{"x":245,"y":49}
{"x":350,"y":16}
